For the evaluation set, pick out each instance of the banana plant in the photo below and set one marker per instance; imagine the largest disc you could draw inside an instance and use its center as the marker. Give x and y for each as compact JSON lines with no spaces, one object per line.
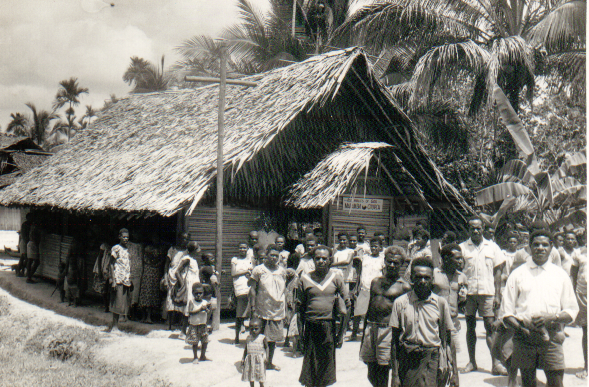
{"x":555,"y":197}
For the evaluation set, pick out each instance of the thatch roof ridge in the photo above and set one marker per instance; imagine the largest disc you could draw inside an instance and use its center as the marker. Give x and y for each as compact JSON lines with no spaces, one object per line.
{"x":156,"y":152}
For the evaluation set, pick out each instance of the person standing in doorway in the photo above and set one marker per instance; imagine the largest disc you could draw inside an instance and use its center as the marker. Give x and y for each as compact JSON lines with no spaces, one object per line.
{"x":23,"y":240}
{"x":120,"y":297}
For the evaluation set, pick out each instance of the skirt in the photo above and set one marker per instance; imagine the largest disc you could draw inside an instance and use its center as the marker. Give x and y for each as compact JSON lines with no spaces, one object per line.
{"x":120,"y":298}
{"x":273,"y":330}
{"x":196,"y":333}
{"x":149,"y":295}
{"x":582,"y":315}
{"x":254,"y":368}
{"x":242,"y":309}
{"x":99,"y":284}
{"x":319,"y":361}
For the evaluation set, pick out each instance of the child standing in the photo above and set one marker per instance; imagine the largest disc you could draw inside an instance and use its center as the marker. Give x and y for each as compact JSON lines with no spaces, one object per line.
{"x":255,"y":355}
{"x":241,"y":270}
{"x":291,"y":323}
{"x":197,"y":322}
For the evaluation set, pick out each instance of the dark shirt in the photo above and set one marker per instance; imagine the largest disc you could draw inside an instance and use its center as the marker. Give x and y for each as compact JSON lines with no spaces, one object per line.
{"x":317,"y":300}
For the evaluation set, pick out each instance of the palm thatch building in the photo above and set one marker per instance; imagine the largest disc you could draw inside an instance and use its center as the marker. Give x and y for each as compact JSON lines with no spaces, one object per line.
{"x":306,"y":136}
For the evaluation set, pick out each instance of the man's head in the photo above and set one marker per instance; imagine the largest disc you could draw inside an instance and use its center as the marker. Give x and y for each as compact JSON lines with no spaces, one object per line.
{"x":322,"y":258}
{"x":375,"y":247}
{"x":422,"y":277}
{"x":361,"y":230}
{"x":512,"y":242}
{"x":380,"y":235}
{"x":192,"y":247}
{"x":570,"y":239}
{"x":318,"y":233}
{"x":449,"y":237}
{"x":451,"y":256}
{"x":253,"y":238}
{"x":208,"y":259}
{"x":559,"y":239}
{"x":394,"y":256}
{"x":342,"y":239}
{"x":124,"y":237}
{"x":184,"y":239}
{"x":353,"y":240}
{"x":280,"y":242}
{"x":421,"y":238}
{"x":310,"y":243}
{"x":273,"y":256}
{"x":489,"y":232}
{"x":475,"y":230}
{"x":540,"y":244}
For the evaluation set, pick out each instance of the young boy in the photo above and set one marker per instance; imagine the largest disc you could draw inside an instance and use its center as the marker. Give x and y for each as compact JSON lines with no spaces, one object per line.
{"x":197,"y":323}
{"x":209,"y":278}
{"x":280,"y":242}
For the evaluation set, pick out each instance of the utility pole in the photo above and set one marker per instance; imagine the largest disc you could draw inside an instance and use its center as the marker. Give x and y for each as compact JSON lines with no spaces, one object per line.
{"x":222,"y":80}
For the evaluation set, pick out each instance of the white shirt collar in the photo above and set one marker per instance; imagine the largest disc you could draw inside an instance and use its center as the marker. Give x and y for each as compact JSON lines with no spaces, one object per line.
{"x":533,"y":264}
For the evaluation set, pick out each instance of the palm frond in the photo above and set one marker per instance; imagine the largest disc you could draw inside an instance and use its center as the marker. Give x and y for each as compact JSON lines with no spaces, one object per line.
{"x":447,"y":58}
{"x":563,"y":29}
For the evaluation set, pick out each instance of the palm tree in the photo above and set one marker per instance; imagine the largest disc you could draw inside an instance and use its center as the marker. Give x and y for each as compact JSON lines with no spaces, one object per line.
{"x":146,"y":77}
{"x":18,"y":126}
{"x":87,"y":117}
{"x":69,"y":94}
{"x":41,"y":122}
{"x":496,"y":42}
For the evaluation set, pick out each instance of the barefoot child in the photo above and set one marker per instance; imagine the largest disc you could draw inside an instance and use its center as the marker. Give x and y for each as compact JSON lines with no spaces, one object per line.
{"x":197,"y":322}
{"x":255,"y":355}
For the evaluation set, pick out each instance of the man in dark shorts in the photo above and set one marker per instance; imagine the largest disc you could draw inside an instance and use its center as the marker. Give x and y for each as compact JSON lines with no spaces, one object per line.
{"x":483,"y":262}
{"x":419,"y":320}
{"x":375,"y":350}
{"x":539,"y":299}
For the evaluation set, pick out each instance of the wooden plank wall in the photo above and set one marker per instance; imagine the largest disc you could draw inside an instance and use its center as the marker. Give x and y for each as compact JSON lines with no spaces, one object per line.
{"x":53,"y":249}
{"x":237,"y":223}
{"x":348,"y":221}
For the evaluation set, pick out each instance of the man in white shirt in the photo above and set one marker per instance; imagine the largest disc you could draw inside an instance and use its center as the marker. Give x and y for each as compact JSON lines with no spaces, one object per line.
{"x":539,"y":299}
{"x":362,"y":242}
{"x":483,"y":262}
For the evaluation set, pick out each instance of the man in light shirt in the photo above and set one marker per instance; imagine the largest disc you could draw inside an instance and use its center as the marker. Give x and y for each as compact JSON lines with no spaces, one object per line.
{"x":483,"y":262}
{"x":539,"y":298}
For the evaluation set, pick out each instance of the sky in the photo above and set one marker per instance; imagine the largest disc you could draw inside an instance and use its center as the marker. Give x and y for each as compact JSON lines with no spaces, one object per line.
{"x":43,"y":42}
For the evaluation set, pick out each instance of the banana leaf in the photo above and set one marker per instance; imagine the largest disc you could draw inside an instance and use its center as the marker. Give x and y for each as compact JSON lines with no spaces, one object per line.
{"x":514,"y":170}
{"x":513,"y":123}
{"x":499,"y":192}
{"x":572,"y":164}
{"x":545,"y":189}
{"x":493,"y":220}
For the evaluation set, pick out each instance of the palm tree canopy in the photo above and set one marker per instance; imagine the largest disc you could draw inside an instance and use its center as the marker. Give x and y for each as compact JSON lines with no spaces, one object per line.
{"x":492,"y":40}
{"x":41,"y":122}
{"x":69,"y":93}
{"x":146,"y":76}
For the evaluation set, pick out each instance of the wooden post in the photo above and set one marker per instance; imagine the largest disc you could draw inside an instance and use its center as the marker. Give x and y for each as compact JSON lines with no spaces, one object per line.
{"x":223,"y":82}
{"x":220,"y":137}
{"x":294,"y":17}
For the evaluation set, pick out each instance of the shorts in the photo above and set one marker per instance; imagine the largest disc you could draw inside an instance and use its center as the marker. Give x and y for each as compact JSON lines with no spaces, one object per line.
{"x":196,"y":333}
{"x":273,"y":330}
{"x":376,"y":344}
{"x":582,"y":315}
{"x":484,"y":305}
{"x":548,"y":357}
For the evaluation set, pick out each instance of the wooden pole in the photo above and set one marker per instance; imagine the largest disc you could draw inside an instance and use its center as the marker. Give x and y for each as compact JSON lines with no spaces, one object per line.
{"x":294,"y":17}
{"x":220,"y":137}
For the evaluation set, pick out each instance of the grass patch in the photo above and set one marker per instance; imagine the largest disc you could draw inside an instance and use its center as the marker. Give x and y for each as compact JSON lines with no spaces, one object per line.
{"x":37,"y":352}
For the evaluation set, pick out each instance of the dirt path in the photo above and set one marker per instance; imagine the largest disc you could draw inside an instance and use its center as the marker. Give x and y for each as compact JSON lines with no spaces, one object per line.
{"x":161,"y":355}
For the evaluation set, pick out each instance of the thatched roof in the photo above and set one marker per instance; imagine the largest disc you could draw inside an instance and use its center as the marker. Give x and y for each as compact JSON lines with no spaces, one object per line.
{"x":156,"y":153}
{"x":26,"y":161}
{"x":338,"y":172}
{"x":13,"y":142}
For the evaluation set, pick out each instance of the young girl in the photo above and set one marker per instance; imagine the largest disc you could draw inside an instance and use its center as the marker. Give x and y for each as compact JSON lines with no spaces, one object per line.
{"x":255,"y":354}
{"x":197,"y":322}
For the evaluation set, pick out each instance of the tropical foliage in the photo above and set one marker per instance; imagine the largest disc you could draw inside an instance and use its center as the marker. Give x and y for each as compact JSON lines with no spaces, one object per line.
{"x":41,"y":123}
{"x":495,"y":42}
{"x":145,"y":76}
{"x":18,"y":125}
{"x":69,"y":94}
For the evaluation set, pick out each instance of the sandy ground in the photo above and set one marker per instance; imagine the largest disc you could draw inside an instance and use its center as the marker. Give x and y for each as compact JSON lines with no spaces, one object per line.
{"x":160,"y":354}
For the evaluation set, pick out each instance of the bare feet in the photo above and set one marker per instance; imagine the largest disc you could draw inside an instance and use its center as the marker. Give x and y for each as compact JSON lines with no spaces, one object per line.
{"x":582,"y":375}
{"x":469,"y":368}
{"x":498,"y":369}
{"x":273,"y":367}
{"x":204,"y":358}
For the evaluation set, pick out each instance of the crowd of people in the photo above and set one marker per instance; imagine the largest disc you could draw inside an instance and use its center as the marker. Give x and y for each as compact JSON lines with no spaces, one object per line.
{"x":401,"y":302}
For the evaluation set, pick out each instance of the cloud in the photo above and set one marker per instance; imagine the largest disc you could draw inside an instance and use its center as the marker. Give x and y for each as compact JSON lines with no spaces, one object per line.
{"x":44,"y":42}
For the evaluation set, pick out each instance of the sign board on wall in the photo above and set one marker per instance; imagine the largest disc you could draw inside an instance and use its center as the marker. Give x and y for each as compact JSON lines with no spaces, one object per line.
{"x":362,"y":204}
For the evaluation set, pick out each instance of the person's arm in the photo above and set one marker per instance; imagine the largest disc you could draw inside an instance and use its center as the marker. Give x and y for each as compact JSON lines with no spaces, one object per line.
{"x":266,"y":349}
{"x":253,"y":293}
{"x":574,"y":275}
{"x":395,"y":345}
{"x":497,"y":270}
{"x":345,"y":262}
{"x":237,"y":273}
{"x":244,"y":355}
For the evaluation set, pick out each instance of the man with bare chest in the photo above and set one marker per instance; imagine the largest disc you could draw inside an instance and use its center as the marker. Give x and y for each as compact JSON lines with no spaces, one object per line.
{"x":375,"y":350}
